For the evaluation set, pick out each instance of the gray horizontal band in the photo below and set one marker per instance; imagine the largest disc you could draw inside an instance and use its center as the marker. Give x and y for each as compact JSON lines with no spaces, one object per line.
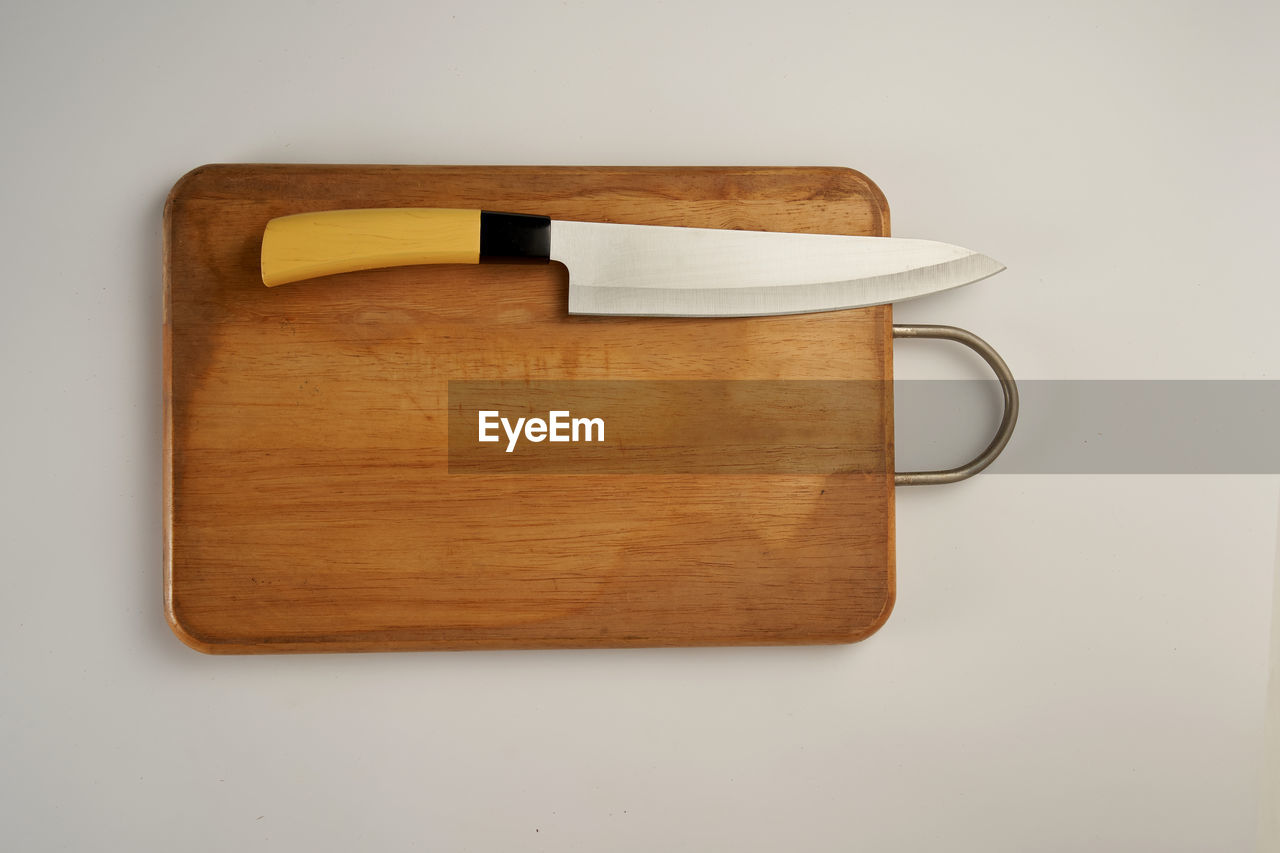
{"x":1095,"y":426}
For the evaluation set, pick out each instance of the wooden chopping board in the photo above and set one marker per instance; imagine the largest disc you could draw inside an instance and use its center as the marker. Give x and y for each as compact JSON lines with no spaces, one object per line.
{"x":309,"y":500}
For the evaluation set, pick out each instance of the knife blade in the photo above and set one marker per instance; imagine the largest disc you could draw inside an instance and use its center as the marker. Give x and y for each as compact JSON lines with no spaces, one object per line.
{"x":634,"y":270}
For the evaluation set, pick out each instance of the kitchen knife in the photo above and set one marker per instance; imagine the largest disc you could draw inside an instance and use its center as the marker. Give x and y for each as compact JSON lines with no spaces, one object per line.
{"x":638,"y":270}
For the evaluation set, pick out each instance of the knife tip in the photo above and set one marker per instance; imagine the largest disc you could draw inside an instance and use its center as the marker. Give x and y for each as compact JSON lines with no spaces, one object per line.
{"x":989,"y":266}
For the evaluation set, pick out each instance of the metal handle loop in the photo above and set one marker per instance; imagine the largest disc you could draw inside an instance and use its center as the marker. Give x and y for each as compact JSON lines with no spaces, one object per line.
{"x":1007,"y":385}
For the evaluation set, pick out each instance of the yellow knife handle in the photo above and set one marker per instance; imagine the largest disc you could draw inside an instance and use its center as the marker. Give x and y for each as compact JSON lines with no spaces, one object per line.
{"x":310,"y":245}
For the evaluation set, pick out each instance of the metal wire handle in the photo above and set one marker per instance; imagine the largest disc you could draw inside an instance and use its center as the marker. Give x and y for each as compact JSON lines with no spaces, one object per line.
{"x":1003,"y":433}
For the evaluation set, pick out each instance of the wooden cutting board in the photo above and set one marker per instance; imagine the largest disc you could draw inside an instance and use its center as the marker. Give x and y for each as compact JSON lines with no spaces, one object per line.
{"x":310,"y":503}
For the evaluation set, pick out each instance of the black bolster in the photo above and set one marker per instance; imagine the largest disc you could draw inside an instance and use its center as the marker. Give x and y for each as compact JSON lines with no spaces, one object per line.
{"x":514,"y":238}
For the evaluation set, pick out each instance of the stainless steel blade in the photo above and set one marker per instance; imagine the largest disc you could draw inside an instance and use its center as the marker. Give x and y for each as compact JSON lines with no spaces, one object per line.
{"x":660,"y":271}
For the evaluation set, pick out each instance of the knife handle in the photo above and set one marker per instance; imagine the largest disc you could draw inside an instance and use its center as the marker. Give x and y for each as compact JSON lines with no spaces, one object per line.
{"x":310,"y":245}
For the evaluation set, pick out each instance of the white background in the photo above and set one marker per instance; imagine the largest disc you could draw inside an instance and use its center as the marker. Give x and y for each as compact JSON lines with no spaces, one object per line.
{"x":1074,"y":663}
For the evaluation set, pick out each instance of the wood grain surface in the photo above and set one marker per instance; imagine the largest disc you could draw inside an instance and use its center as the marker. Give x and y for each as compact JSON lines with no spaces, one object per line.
{"x":309,"y":504}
